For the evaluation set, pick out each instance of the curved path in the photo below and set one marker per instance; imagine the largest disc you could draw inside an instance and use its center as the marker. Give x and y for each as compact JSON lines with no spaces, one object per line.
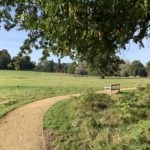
{"x":21,"y":129}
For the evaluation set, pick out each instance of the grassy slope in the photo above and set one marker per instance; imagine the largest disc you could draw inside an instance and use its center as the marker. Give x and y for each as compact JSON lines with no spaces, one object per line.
{"x":98,"y":122}
{"x":18,"y":88}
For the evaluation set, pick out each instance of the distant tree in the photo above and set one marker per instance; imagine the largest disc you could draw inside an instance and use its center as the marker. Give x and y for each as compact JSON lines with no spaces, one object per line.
{"x":124,"y":69}
{"x":81,"y":69}
{"x":15,"y":63}
{"x":148,"y":68}
{"x":64,"y":67}
{"x":56,"y":67}
{"x":59,"y":65}
{"x":137,"y":69}
{"x":10,"y":66}
{"x":71,"y":68}
{"x":92,"y":72}
{"x":48,"y":66}
{"x":26,"y":64}
{"x":5,"y":59}
{"x":39,"y":67}
{"x":111,"y":65}
{"x":22,"y":63}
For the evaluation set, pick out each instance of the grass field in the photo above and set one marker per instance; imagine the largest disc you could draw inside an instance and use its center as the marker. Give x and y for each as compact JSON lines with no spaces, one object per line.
{"x":100,"y":122}
{"x":20,"y":87}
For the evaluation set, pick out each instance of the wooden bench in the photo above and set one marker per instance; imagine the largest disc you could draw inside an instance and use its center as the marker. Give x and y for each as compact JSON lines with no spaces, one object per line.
{"x":113,"y":88}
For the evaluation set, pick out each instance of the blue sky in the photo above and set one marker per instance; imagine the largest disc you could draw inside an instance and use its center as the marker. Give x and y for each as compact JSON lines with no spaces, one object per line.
{"x":12,"y":40}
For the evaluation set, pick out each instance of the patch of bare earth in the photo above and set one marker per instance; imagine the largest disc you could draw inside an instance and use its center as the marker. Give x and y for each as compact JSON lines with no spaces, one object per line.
{"x":49,"y":138}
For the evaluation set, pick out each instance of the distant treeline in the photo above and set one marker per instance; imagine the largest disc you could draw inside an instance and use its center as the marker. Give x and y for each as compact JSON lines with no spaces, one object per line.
{"x":123,"y":69}
{"x":15,"y":63}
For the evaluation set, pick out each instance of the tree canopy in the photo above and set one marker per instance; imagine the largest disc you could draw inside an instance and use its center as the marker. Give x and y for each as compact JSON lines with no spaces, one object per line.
{"x":5,"y":59}
{"x":137,"y":69}
{"x":79,"y":28}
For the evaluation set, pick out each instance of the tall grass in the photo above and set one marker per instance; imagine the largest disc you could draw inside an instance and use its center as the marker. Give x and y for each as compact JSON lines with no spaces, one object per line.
{"x":98,"y":122}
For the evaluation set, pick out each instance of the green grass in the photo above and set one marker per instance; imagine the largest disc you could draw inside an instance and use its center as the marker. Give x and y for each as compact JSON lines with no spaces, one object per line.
{"x":20,"y":87}
{"x":98,"y":122}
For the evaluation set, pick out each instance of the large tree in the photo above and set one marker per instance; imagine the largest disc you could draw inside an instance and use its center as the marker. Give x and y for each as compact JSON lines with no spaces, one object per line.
{"x":82,"y":28}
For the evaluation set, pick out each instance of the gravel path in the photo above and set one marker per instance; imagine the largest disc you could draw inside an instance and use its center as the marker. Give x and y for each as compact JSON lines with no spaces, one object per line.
{"x":21,"y":129}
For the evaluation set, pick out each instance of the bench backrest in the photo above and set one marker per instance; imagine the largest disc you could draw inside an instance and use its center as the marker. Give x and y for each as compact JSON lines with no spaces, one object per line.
{"x":115,"y":86}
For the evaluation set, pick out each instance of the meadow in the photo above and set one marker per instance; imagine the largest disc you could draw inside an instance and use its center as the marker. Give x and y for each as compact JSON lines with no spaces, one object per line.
{"x":100,"y":122}
{"x":20,"y":87}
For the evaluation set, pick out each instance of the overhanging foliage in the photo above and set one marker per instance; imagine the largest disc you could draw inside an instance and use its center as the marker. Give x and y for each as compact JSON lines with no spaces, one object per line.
{"x":82,"y":28}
